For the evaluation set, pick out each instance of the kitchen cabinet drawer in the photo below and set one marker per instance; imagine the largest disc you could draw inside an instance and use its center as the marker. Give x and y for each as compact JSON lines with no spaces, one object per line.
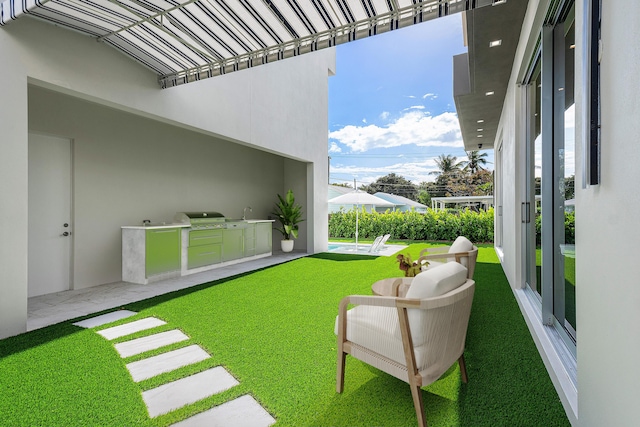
{"x":205,"y":237}
{"x":199,"y":256}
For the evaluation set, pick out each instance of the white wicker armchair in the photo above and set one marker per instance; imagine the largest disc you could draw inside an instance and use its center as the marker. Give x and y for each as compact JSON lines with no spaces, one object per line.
{"x":462,"y":251}
{"x":413,"y":339}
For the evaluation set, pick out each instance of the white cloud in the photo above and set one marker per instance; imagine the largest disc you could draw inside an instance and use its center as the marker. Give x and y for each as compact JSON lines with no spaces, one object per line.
{"x":410,"y":96}
{"x":429,"y":96}
{"x":414,"y":127}
{"x":416,"y":172}
{"x":384,"y":115}
{"x":415,"y":107}
{"x":334,"y":148}
{"x":364,"y":121}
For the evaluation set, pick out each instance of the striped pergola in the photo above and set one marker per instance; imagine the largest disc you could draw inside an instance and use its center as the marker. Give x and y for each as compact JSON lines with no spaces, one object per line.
{"x":188,"y":40}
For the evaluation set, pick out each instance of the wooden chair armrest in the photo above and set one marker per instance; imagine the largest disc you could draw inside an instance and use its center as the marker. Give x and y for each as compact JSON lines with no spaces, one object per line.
{"x":372,"y":300}
{"x":436,"y":256}
{"x":435,"y":250}
{"x":456,"y":255}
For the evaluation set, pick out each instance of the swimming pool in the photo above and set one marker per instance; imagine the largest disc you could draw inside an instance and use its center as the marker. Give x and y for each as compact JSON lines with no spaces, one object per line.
{"x":363,"y":249}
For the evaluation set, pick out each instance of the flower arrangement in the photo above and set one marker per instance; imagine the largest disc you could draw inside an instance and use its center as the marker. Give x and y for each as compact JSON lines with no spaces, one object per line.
{"x":410,"y":268}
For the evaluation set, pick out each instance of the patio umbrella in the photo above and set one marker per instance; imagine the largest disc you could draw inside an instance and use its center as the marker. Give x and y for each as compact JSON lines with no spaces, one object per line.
{"x":358,"y":198}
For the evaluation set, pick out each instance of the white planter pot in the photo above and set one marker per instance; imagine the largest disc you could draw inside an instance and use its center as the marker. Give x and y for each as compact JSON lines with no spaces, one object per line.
{"x":286,"y":245}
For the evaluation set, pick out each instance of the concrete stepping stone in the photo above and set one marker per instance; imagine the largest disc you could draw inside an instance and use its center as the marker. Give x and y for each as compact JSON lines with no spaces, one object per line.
{"x":174,"y":395}
{"x":103,"y":319}
{"x":166,"y":362}
{"x":241,"y":412}
{"x":130,"y":328}
{"x":140,"y":345}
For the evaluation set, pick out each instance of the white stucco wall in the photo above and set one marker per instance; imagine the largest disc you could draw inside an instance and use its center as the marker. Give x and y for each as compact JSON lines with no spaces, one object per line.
{"x":279,"y":108}
{"x":607,"y":236}
{"x":13,"y":194}
{"x":607,"y":293}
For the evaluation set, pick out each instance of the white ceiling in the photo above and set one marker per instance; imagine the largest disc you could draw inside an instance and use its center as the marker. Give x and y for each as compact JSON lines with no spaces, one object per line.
{"x":485,"y":69}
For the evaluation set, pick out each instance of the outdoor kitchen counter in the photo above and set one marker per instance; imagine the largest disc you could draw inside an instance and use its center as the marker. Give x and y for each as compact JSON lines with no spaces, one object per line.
{"x":163,"y":250}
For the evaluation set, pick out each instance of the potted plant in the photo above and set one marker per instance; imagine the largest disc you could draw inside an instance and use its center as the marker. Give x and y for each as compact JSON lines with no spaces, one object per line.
{"x":410,"y":268}
{"x":289,"y":214}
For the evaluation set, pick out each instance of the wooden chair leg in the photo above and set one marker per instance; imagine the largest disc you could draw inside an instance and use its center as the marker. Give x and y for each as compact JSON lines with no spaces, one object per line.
{"x":463,"y":369}
{"x":419,"y":405}
{"x":340,"y":371}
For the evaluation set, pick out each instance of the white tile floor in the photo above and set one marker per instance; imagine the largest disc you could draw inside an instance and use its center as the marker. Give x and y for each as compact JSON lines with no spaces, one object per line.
{"x":55,"y":308}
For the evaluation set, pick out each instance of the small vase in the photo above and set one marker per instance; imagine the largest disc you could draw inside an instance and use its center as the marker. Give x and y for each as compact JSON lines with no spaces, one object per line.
{"x":286,"y":245}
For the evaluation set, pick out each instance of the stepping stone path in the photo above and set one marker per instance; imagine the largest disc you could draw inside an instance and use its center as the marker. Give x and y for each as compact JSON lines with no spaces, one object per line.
{"x":243,"y":411}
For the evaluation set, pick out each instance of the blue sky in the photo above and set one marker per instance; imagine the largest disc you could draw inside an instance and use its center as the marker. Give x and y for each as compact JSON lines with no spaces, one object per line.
{"x":391,"y":105}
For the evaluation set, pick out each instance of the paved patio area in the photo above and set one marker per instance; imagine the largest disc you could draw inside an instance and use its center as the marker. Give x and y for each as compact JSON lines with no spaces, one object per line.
{"x":54,"y":308}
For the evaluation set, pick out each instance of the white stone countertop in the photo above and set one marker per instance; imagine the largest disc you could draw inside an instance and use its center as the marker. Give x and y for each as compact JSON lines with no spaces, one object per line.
{"x":154,"y":226}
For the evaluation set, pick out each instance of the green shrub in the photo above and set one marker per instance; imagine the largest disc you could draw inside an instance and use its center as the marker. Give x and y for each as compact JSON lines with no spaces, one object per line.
{"x":569,"y":228}
{"x":432,"y":225}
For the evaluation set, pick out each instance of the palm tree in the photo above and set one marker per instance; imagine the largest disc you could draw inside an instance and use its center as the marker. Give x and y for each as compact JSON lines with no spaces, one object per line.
{"x":447,"y":164}
{"x":476,"y":161}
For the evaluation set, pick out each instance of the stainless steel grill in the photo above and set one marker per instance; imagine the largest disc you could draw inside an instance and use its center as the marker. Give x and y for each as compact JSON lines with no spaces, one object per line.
{"x":202,"y":220}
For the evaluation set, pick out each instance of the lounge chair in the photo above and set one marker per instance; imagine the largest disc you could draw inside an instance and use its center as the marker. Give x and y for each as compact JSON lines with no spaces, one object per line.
{"x":417,"y":338}
{"x":378,"y":243}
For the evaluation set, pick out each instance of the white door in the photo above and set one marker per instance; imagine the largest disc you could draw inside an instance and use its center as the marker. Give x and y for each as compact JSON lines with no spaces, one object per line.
{"x":49,"y":214}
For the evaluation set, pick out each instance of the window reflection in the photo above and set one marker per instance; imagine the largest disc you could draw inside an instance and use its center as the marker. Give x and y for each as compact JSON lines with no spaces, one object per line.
{"x":568,"y":185}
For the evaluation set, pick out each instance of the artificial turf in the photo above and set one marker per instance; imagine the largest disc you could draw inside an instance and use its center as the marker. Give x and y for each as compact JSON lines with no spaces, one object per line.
{"x":273,"y":330}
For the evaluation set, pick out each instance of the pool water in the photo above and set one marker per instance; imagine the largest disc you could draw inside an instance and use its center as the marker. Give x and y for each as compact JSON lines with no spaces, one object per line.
{"x":363,"y":248}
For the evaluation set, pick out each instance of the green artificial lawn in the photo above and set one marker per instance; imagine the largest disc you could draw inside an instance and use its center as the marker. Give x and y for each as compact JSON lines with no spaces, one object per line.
{"x":273,"y":331}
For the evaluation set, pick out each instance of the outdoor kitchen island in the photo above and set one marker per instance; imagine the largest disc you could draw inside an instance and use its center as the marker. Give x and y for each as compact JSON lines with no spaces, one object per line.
{"x":193,"y":244}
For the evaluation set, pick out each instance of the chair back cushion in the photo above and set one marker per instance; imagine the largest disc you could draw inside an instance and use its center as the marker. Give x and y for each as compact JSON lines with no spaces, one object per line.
{"x":428,"y":284}
{"x":461,"y":244}
{"x":437,"y":281}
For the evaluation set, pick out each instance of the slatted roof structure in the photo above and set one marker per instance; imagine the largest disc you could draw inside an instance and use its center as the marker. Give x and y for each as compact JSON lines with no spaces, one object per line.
{"x":188,"y":40}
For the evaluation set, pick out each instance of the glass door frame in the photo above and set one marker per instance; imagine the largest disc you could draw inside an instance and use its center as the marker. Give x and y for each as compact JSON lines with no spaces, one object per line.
{"x":550,"y":293}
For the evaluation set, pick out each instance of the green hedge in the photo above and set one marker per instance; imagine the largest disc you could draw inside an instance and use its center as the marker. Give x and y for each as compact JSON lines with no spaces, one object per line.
{"x":432,"y":225}
{"x":569,"y":228}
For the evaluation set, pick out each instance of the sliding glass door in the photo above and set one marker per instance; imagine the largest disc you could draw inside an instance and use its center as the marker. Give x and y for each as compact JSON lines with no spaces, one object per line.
{"x":549,"y":210}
